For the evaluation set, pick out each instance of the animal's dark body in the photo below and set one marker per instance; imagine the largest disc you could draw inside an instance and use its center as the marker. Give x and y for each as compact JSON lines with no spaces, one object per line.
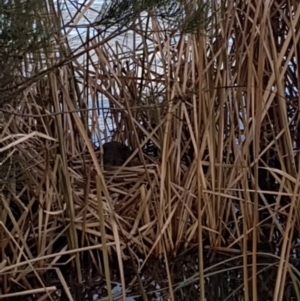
{"x":115,"y":153}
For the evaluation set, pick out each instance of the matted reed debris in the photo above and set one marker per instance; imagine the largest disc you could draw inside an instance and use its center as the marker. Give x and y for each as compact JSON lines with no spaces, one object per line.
{"x":214,"y":120}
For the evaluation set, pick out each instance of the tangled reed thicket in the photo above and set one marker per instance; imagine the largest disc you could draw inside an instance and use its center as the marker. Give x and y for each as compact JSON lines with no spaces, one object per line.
{"x":214,"y":117}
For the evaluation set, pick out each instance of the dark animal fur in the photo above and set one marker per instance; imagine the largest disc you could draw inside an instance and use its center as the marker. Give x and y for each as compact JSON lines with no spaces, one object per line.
{"x":115,"y":153}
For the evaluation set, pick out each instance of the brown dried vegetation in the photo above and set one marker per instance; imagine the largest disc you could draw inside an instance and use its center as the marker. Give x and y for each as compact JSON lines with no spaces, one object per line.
{"x":214,"y":119}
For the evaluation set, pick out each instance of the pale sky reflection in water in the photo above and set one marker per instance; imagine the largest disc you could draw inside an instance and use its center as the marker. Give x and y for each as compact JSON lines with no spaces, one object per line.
{"x":76,"y":36}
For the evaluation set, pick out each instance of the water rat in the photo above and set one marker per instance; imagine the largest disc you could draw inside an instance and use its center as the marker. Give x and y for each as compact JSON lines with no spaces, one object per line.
{"x":116,"y":153}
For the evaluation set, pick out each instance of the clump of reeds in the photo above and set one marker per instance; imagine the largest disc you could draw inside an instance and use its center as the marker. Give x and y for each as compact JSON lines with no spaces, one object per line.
{"x":214,"y":121}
